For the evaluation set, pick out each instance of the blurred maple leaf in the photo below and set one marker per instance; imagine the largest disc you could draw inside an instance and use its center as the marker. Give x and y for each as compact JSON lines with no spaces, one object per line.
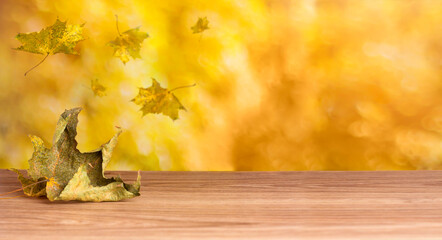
{"x":128,"y":43}
{"x":156,"y":99}
{"x":201,"y":25}
{"x":62,"y":172}
{"x":57,"y":38}
{"x":97,"y":88}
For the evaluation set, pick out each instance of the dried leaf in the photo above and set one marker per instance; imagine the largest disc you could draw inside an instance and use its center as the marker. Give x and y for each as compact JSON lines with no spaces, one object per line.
{"x":97,"y":88}
{"x":201,"y":25}
{"x":81,"y":188}
{"x":156,"y":99}
{"x":128,"y":44}
{"x":73,"y":175}
{"x":35,"y":189}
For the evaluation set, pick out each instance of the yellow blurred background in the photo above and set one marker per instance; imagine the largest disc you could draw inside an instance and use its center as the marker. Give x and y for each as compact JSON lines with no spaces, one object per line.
{"x":281,"y":85}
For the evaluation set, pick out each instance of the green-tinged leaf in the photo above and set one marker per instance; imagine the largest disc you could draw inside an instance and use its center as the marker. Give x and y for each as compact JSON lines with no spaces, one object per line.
{"x":200,"y":26}
{"x":80,"y":188}
{"x":67,"y":169}
{"x":156,"y":99}
{"x":58,"y":38}
{"x":128,"y":44}
{"x":31,"y":187}
{"x":39,"y":158}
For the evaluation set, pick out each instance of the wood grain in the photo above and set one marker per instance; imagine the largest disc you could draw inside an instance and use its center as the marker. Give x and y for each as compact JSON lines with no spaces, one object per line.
{"x":241,"y":205}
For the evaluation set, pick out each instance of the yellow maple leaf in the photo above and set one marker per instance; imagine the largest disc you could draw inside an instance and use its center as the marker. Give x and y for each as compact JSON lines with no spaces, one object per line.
{"x":156,"y":99}
{"x":57,"y":38}
{"x":201,"y":25}
{"x":128,"y":43}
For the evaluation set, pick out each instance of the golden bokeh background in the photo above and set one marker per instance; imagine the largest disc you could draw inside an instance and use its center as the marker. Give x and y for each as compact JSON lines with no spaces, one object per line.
{"x":281,"y":85}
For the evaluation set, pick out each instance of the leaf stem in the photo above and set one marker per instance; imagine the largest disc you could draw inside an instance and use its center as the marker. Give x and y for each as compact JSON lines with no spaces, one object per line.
{"x":16,"y":190}
{"x":23,"y":195}
{"x":118,"y":29}
{"x":193,"y":85}
{"x":38,"y":64}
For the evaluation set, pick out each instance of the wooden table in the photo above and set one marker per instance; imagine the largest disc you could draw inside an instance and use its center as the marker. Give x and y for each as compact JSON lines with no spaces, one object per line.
{"x":241,"y":205}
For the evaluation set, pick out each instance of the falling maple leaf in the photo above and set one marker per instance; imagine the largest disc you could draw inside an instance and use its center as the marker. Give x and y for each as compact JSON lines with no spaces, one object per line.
{"x":97,"y":88}
{"x":58,"y":38}
{"x":201,"y":25}
{"x":64,"y":173}
{"x":156,"y":99}
{"x":128,"y":43}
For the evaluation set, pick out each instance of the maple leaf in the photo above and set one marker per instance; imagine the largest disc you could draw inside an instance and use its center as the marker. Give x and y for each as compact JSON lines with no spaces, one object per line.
{"x":36,"y":188}
{"x":156,"y":99}
{"x":128,"y":43}
{"x":201,"y":25}
{"x":57,"y":38}
{"x":70,"y":174}
{"x":97,"y":88}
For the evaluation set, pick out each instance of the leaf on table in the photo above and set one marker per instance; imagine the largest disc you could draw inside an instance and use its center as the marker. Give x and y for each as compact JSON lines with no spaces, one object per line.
{"x":33,"y":188}
{"x":156,"y":99}
{"x":128,"y":43}
{"x":57,"y":38}
{"x":200,"y":26}
{"x":81,"y":188}
{"x":70,"y":174}
{"x":98,"y":89}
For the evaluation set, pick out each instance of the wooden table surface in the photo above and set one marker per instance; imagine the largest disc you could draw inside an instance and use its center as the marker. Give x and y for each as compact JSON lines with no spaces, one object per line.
{"x":241,"y":205}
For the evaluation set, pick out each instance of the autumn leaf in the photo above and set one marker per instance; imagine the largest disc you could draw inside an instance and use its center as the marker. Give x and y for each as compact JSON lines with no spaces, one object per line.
{"x":70,"y":174}
{"x":156,"y":99}
{"x":97,"y":88}
{"x":201,"y":25}
{"x":36,"y":188}
{"x":58,"y":38}
{"x":128,"y":43}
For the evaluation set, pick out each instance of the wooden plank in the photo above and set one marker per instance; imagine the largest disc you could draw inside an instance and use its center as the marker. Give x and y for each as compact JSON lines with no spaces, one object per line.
{"x":241,"y":205}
